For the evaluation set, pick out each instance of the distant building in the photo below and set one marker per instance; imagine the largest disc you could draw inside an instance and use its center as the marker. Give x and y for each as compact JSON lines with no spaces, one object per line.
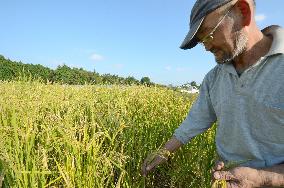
{"x":190,"y":89}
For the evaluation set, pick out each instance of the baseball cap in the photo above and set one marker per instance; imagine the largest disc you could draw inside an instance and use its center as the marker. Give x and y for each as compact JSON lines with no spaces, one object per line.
{"x":199,"y":11}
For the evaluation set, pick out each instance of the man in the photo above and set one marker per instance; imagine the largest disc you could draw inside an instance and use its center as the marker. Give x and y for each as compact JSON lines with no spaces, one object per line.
{"x":244,"y":93}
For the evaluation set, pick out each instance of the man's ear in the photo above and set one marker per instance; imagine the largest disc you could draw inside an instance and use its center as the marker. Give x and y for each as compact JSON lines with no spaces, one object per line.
{"x":245,"y":10}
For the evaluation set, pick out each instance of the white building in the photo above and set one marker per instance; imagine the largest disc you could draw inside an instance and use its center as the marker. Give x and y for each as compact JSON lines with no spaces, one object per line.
{"x":190,"y":89}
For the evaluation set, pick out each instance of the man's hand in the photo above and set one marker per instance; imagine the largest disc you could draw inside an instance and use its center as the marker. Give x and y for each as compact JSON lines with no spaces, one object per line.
{"x":156,"y":158}
{"x":239,"y":177}
{"x":151,"y":162}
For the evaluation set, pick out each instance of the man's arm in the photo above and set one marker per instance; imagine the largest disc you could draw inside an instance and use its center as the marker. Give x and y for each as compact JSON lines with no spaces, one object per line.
{"x":273,"y":176}
{"x":149,"y":164}
{"x":250,"y":177}
{"x":173,"y":144}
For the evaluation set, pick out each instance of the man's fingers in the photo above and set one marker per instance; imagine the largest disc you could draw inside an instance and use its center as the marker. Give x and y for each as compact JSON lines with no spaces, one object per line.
{"x":223,"y":175}
{"x":158,"y":160}
{"x":233,"y":184}
{"x":145,"y":164}
{"x":143,"y":169}
{"x":219,"y":165}
{"x":149,"y":166}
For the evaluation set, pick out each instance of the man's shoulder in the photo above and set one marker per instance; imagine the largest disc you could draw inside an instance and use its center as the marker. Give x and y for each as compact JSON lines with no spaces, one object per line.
{"x":277,"y":60}
{"x":279,"y":57}
{"x":213,"y":73}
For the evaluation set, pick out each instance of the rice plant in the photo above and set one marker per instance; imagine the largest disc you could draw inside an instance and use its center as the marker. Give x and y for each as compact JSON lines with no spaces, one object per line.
{"x":95,"y":136}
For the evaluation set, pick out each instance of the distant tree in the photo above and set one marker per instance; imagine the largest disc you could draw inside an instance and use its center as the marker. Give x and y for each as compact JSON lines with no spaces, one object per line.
{"x":145,"y":81}
{"x":10,"y":70}
{"x":7,"y":70}
{"x":130,"y":80}
{"x":64,"y":74}
{"x":193,"y":83}
{"x":109,"y":79}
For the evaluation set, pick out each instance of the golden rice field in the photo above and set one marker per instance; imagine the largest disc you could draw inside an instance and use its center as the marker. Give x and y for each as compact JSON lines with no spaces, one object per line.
{"x":95,"y":137}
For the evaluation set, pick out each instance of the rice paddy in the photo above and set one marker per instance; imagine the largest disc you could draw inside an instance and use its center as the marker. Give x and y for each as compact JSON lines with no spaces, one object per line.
{"x":96,"y":136}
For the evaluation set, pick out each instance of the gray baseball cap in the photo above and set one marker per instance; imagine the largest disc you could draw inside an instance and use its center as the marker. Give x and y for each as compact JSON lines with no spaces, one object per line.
{"x":199,"y":11}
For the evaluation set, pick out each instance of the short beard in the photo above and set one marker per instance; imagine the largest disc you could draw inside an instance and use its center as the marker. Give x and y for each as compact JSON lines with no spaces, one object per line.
{"x":240,"y":42}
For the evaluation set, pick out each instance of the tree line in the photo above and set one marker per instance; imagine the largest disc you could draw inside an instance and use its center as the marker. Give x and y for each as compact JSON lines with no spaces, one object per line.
{"x":10,"y":70}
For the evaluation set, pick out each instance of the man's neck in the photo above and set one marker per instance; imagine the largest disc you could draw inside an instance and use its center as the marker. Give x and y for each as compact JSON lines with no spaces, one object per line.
{"x":257,"y":47}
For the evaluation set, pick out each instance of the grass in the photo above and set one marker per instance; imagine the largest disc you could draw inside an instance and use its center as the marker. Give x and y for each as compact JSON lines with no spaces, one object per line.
{"x":95,"y":136}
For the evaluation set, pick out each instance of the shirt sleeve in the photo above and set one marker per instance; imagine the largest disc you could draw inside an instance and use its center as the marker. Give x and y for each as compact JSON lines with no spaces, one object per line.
{"x":200,"y":118}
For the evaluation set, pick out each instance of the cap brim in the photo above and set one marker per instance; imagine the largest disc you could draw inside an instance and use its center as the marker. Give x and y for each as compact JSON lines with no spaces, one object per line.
{"x":190,"y":40}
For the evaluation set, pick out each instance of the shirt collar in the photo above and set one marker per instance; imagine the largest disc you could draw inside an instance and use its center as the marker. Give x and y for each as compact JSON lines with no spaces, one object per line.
{"x":229,"y":67}
{"x":277,"y":46}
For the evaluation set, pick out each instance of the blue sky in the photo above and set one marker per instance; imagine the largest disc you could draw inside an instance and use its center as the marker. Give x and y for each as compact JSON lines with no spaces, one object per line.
{"x":126,"y":37}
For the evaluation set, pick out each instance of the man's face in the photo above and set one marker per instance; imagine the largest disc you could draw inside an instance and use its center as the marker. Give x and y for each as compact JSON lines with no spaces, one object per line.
{"x":228,"y":40}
